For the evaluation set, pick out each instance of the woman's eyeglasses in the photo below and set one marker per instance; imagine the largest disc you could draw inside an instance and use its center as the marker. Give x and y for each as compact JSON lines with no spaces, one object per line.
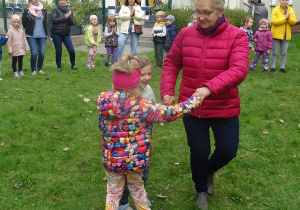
{"x":204,"y":14}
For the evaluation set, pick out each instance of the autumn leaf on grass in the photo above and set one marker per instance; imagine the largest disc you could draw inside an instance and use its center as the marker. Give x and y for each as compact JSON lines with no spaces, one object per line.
{"x":66,"y":149}
{"x":265,"y":132}
{"x":2,"y":144}
{"x":161,"y":196}
{"x":281,"y":121}
{"x":104,"y":178}
{"x":172,"y":167}
{"x":83,"y":171}
{"x":248,"y":198}
{"x":219,"y":177}
{"x":86,"y":100}
{"x":16,"y":186}
{"x":298,"y":125}
{"x":55,"y":126}
{"x":168,"y":187}
{"x":253,"y":150}
{"x":53,"y":198}
{"x":282,"y":177}
{"x":84,"y":127}
{"x":31,"y":108}
{"x":177,"y":164}
{"x":272,"y":121}
{"x":286,"y":143}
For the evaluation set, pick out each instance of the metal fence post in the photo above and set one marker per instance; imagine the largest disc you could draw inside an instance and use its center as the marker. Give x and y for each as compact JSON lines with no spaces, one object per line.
{"x":4,"y":15}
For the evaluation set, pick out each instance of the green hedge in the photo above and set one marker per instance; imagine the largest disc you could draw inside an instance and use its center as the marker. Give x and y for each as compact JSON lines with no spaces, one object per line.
{"x":183,"y":16}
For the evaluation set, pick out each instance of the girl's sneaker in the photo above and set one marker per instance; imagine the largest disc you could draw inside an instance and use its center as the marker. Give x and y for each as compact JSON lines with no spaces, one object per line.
{"x":16,"y":75}
{"x":92,"y":66}
{"x":21,"y":74}
{"x":1,"y":79}
{"x":88,"y":66}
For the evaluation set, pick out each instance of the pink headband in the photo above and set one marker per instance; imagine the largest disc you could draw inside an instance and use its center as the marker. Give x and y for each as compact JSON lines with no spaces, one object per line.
{"x":125,"y":81}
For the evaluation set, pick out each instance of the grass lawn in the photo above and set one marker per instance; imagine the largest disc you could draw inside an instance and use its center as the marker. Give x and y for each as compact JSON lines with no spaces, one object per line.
{"x":44,"y":114}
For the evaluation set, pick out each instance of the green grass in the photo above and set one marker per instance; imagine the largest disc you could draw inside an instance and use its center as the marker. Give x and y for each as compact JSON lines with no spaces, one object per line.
{"x":264,"y":175}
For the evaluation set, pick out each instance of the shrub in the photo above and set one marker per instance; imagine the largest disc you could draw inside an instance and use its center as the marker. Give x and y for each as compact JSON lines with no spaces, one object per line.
{"x":183,"y":16}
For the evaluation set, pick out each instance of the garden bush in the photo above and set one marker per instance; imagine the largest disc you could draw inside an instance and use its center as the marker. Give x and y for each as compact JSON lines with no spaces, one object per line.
{"x":183,"y":16}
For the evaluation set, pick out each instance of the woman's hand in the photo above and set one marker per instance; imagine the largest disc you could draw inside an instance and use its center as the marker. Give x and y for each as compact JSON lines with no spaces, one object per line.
{"x":168,"y":100}
{"x":202,"y":93}
{"x":287,"y":16}
{"x":68,"y":14}
{"x":132,"y":13}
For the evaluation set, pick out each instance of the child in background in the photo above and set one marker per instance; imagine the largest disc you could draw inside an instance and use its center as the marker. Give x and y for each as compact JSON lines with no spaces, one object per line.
{"x":3,"y":41}
{"x":111,"y":34}
{"x":125,"y":121}
{"x":147,"y":92}
{"x":170,"y":35}
{"x":194,"y":20}
{"x":264,"y":42}
{"x":159,"y":33}
{"x":17,"y":45}
{"x":246,"y":26}
{"x":92,"y":39}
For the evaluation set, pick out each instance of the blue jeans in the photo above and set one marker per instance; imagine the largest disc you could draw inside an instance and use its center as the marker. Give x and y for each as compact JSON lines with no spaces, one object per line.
{"x":283,"y":52}
{"x":226,"y":134}
{"x":58,"y":39}
{"x":134,"y":41}
{"x":37,"y":45}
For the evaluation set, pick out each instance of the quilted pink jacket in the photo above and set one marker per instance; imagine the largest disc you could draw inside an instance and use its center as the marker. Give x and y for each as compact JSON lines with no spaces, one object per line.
{"x":219,"y":62}
{"x":17,"y":43}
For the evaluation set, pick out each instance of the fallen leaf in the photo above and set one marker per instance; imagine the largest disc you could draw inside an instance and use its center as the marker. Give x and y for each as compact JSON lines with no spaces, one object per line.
{"x":16,"y":186}
{"x":53,"y":197}
{"x":67,"y":134}
{"x":161,"y":196}
{"x":83,"y":161}
{"x":241,"y":156}
{"x":25,"y":102}
{"x":18,"y":89}
{"x":249,"y":170}
{"x":84,"y":127}
{"x":253,"y":150}
{"x":90,"y":112}
{"x":83,"y":171}
{"x":265,"y":132}
{"x":33,"y":137}
{"x":104,"y":178}
{"x":86,"y":100}
{"x":281,"y":121}
{"x":55,"y":126}
{"x":168,"y":187}
{"x":286,"y":143}
{"x":2,"y":144}
{"x":66,"y":149}
{"x":247,"y":198}
{"x":87,"y":119}
{"x":219,"y":177}
{"x":295,"y":156}
{"x":176,"y":163}
{"x":298,"y":125}
{"x":31,"y":108}
{"x":243,"y":172}
{"x":32,"y":188}
{"x":282,"y":177}
{"x":81,"y":95}
{"x":101,"y":56}
{"x":272,"y":121}
{"x":172,"y":167}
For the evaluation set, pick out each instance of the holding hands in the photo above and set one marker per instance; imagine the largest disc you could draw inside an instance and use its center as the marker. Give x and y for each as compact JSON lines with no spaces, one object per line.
{"x":287,"y":16}
{"x":200,"y":94}
{"x":132,"y":13}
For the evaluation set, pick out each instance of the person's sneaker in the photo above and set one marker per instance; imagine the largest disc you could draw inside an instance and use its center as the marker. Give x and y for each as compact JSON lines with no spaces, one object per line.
{"x":210,"y":184}
{"x":16,"y":75}
{"x":1,"y":79}
{"x":74,"y":67}
{"x":21,"y":74}
{"x":106,"y":64}
{"x":88,"y":66}
{"x":250,"y":70}
{"x":265,"y":70}
{"x":273,"y":70}
{"x":283,"y":70}
{"x":33,"y":73}
{"x":201,"y":200}
{"x":41,"y":72}
{"x":125,"y":207}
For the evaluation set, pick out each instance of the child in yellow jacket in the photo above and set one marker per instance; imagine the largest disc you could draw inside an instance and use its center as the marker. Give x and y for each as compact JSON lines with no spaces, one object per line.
{"x":92,"y":39}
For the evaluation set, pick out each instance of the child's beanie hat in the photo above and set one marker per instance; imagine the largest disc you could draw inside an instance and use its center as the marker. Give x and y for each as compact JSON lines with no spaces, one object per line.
{"x":93,"y":17}
{"x":264,"y":20}
{"x":15,"y":17}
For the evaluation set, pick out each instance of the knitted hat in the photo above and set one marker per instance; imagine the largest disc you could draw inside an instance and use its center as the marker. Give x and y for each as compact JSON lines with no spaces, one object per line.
{"x":264,"y":20}
{"x":93,"y":17}
{"x":15,"y":17}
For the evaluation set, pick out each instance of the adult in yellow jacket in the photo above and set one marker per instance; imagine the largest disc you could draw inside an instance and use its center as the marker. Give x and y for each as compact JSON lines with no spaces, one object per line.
{"x":282,"y":17}
{"x":130,"y":14}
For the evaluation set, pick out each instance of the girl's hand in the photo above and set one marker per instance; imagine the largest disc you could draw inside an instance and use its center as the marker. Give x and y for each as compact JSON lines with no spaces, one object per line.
{"x":27,"y":51}
{"x":9,"y":54}
{"x":268,"y":51}
{"x":168,"y":100}
{"x":255,"y":40}
{"x":252,"y":49}
{"x":114,"y":30}
{"x":6,"y":37}
{"x":95,"y":44}
{"x":202,"y":93}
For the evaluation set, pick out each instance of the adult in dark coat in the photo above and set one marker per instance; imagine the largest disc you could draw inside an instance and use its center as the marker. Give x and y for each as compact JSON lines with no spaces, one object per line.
{"x":62,"y":20}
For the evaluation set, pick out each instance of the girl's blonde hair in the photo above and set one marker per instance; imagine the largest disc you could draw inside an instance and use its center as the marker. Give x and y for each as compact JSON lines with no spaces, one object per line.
{"x":144,"y":61}
{"x":126,"y":64}
{"x":111,"y":18}
{"x":246,"y":20}
{"x":160,"y":13}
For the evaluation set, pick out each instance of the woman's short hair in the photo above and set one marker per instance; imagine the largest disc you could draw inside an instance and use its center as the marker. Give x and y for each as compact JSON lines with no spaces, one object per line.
{"x":218,"y":4}
{"x":127,"y":3}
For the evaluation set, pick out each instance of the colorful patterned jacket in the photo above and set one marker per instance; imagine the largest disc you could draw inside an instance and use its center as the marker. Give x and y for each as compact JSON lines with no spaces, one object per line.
{"x":126,"y":126}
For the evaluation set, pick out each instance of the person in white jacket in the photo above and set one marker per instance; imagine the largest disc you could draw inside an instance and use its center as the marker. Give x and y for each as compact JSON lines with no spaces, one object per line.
{"x":130,"y":14}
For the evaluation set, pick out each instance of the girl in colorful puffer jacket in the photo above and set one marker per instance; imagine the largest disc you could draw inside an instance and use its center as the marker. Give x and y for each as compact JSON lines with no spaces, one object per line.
{"x":125,"y":120}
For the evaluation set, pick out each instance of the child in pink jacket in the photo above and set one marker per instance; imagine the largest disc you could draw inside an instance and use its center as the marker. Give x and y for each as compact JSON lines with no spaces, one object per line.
{"x":16,"y":45}
{"x":264,"y":41}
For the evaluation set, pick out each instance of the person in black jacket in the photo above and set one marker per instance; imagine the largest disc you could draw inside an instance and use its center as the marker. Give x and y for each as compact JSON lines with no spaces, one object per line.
{"x":34,"y":21}
{"x":62,"y":20}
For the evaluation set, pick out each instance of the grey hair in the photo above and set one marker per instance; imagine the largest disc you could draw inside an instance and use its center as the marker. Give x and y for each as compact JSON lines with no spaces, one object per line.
{"x":218,"y":4}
